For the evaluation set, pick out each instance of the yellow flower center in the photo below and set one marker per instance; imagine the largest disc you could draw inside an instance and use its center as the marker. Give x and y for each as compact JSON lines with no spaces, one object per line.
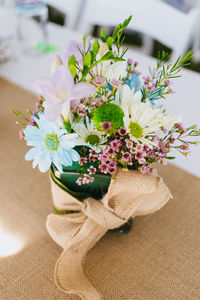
{"x":92,"y":139}
{"x":135,"y":130}
{"x":51,"y":142}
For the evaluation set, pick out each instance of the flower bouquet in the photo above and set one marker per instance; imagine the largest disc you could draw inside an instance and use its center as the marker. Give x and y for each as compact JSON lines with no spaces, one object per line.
{"x":99,"y":129}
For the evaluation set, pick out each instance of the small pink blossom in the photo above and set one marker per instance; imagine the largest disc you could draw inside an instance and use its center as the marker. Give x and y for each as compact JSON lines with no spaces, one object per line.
{"x":80,"y":181}
{"x":82,"y":161}
{"x":99,"y":81}
{"x":129,"y":144}
{"x":116,"y":83}
{"x":103,"y":157}
{"x":112,"y":167}
{"x":81,"y":111}
{"x":142,"y":161}
{"x":103,"y":167}
{"x":115,"y":144}
{"x":129,"y":61}
{"x":92,"y":170}
{"x":145,"y":169}
{"x":106,"y":125}
{"x":122,"y":131}
{"x":153,"y":171}
{"x":87,"y":179}
{"x":21,"y":134}
{"x":126,"y":157}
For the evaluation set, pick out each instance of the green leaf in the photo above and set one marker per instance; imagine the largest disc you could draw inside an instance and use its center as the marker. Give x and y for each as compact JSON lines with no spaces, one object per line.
{"x":103,"y":36}
{"x":95,"y":47}
{"x":72,"y":69}
{"x":67,"y":126}
{"x":116,"y":30}
{"x":109,"y":42}
{"x":92,"y":56}
{"x":85,"y":71}
{"x":170,"y":157}
{"x":72,"y":60}
{"x":126,"y":22}
{"x":87,"y":59}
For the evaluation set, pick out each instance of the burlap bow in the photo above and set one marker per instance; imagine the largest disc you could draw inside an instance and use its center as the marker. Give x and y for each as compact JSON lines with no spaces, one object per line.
{"x":130,"y":194}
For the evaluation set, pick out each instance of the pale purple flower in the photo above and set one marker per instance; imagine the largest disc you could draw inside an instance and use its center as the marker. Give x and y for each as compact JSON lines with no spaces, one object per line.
{"x":74,"y":48}
{"x":59,"y":89}
{"x":99,"y":80}
{"x":142,"y":161}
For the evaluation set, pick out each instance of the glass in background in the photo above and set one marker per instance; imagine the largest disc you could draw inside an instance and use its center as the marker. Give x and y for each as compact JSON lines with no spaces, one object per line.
{"x":31,"y":26}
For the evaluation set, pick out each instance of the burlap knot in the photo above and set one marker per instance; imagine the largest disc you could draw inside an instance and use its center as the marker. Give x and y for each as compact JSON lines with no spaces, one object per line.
{"x":130,"y":194}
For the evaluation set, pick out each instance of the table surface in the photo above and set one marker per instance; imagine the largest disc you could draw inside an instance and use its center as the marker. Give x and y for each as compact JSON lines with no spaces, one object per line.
{"x":25,"y":68}
{"x":157,"y":260}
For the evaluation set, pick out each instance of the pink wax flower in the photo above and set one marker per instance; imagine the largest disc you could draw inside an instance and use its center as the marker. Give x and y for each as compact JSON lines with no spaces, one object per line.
{"x":91,"y":170}
{"x":139,"y":155}
{"x":103,"y":167}
{"x":81,"y":110}
{"x":129,"y":61}
{"x":21,"y":134}
{"x":99,"y":81}
{"x":116,"y":83}
{"x":153,"y":171}
{"x":103,"y":157}
{"x":126,"y":157}
{"x":80,"y":181}
{"x":115,"y":144}
{"x":139,"y":148}
{"x":93,"y":153}
{"x":59,"y":89}
{"x":142,"y":161}
{"x":87,"y":179}
{"x":109,"y":151}
{"x":82,"y":161}
{"x":112,"y":167}
{"x":106,"y":125}
{"x":122,"y":131}
{"x":129,"y":144}
{"x":145,"y":169}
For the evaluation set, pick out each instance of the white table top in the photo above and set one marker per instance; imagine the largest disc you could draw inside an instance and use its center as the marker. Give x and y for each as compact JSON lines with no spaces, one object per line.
{"x":185,"y":102}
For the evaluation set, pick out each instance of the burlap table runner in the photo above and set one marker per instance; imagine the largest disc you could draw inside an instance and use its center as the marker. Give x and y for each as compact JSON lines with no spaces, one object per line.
{"x":159,"y":259}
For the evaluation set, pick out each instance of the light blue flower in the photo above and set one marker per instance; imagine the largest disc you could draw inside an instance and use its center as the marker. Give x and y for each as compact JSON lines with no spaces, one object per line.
{"x":134,"y":82}
{"x":51,"y":144}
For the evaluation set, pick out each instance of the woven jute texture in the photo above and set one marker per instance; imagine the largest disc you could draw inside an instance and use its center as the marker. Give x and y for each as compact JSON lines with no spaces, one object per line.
{"x":158,"y":260}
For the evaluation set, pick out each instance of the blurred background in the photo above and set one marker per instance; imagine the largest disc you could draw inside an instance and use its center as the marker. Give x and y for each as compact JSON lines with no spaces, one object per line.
{"x":32,"y":32}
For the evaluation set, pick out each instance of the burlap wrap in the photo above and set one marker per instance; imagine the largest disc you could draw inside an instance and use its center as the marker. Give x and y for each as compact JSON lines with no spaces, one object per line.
{"x":130,"y":194}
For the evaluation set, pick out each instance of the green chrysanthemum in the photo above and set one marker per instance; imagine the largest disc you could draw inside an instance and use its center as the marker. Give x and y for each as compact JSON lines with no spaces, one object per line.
{"x":108,"y":112}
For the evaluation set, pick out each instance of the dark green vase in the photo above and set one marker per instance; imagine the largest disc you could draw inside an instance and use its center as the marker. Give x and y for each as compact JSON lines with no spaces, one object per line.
{"x":96,"y":189}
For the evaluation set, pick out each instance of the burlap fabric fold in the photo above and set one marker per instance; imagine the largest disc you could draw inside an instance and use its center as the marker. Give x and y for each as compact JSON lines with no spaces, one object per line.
{"x":130,"y":194}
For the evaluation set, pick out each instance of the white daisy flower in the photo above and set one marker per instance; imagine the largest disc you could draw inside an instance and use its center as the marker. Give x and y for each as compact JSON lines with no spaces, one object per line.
{"x":145,"y":120}
{"x":88,"y":135}
{"x":126,"y":96}
{"x":110,"y":70}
